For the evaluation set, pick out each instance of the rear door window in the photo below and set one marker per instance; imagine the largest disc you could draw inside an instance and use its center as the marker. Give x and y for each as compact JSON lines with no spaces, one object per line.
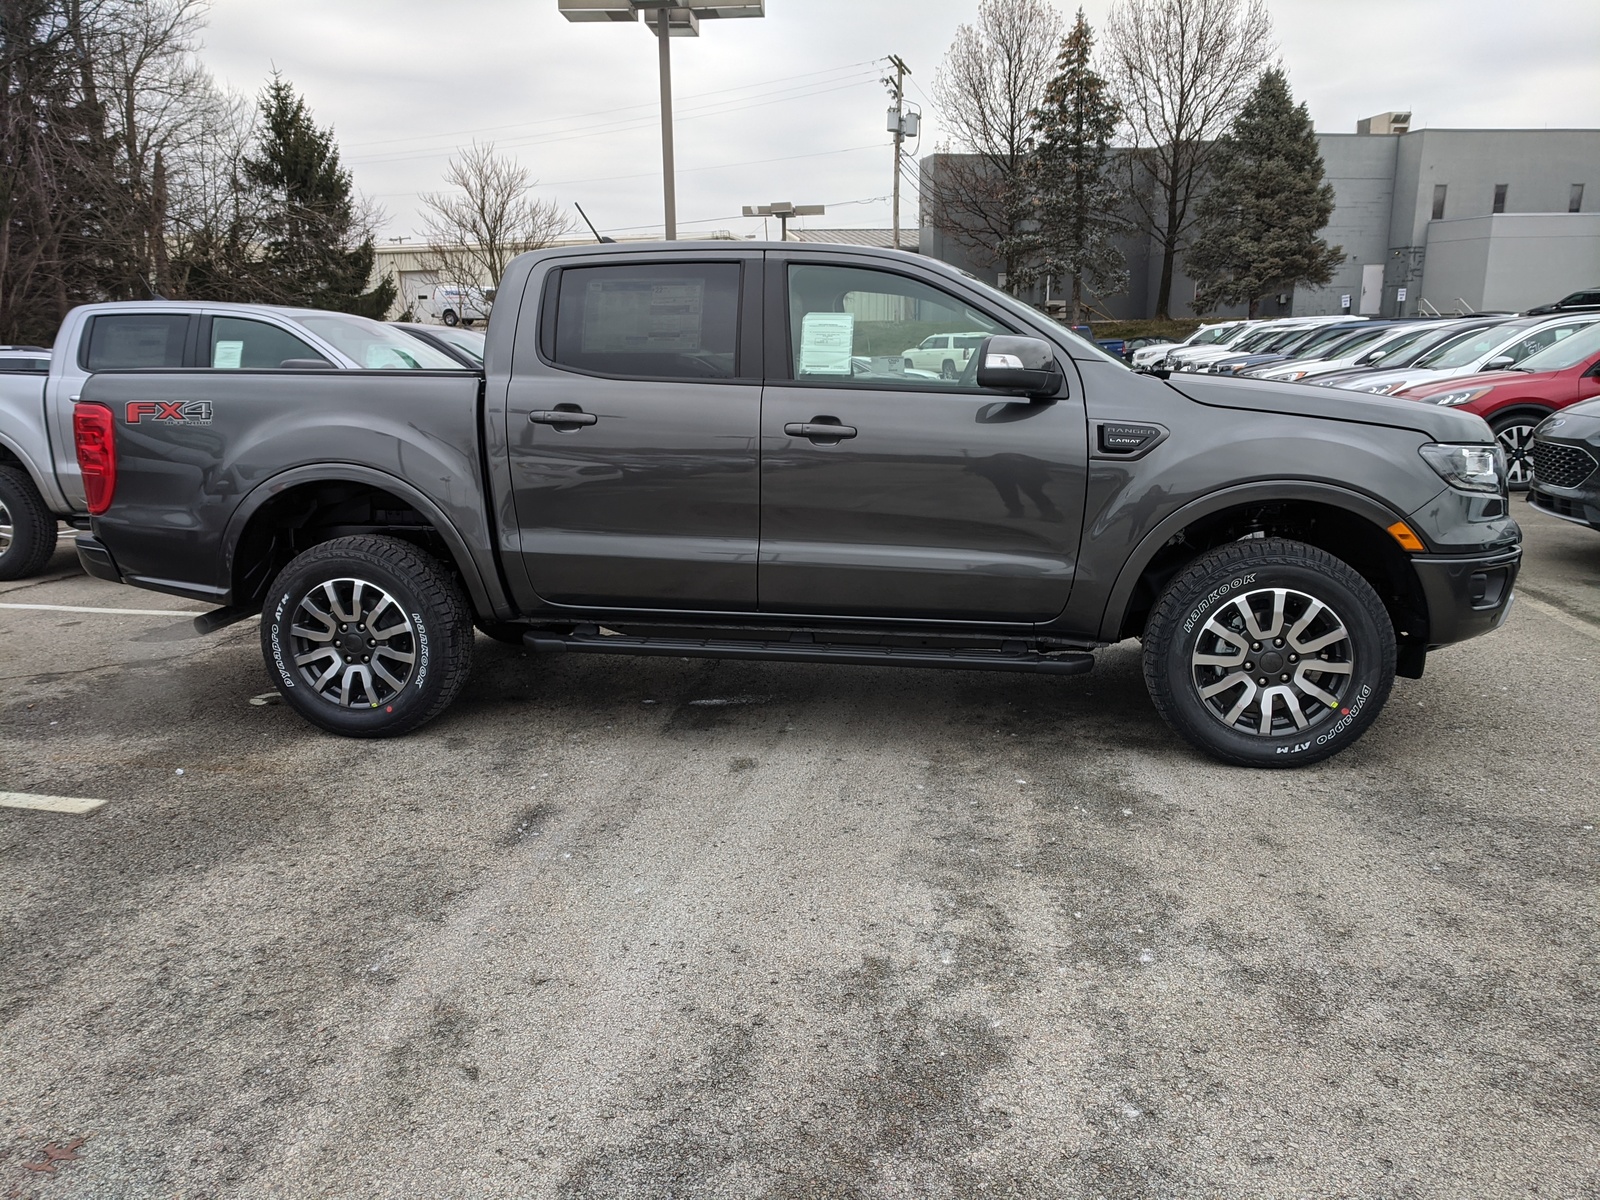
{"x":649,"y":321}
{"x":237,"y":344}
{"x":124,"y":341}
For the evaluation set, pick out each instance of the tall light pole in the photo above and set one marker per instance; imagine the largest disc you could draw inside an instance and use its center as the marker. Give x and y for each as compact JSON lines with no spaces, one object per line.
{"x":670,"y":21}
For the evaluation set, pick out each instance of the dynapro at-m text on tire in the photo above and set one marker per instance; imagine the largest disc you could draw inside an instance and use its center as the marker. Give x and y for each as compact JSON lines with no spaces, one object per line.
{"x":367,"y":636}
{"x":1269,"y":653}
{"x":27,"y":529}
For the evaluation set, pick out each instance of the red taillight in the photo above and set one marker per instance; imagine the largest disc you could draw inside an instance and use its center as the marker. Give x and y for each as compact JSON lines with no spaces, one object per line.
{"x":92,"y":432}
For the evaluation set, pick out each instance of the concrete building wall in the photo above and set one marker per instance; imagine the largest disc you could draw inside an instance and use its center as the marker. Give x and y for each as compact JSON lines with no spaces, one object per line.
{"x":1511,"y":261}
{"x":1361,"y":169}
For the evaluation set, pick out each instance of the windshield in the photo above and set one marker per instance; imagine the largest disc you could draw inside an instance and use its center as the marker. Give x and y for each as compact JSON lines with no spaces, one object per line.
{"x":1340,"y":346}
{"x":468,"y":341}
{"x":1395,"y":343}
{"x":1212,"y":333}
{"x":375,"y":346}
{"x":1469,"y":349}
{"x":1569,"y":352}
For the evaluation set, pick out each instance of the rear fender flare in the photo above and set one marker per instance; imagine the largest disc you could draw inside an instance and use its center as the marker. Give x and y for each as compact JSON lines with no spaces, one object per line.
{"x":484,"y":589}
{"x":1251,"y":493}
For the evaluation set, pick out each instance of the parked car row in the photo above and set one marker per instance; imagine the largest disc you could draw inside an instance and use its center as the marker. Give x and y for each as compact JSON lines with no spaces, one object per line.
{"x":1512,"y":371}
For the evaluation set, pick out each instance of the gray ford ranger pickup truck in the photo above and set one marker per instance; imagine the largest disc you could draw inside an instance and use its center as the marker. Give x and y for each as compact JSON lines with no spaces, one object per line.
{"x":724,"y":450}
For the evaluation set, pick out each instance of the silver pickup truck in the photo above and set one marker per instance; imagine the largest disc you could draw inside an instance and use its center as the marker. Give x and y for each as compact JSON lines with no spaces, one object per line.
{"x":40,"y":484}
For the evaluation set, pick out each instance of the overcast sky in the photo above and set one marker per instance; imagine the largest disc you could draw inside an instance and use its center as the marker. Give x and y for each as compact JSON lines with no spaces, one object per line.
{"x":789,"y":107}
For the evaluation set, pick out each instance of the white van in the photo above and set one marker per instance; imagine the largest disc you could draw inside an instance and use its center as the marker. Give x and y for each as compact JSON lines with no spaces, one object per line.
{"x":450,"y":305}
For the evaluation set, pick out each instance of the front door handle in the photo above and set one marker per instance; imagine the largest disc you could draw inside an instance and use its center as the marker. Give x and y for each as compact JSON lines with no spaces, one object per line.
{"x":820,"y":430}
{"x":573,"y":417}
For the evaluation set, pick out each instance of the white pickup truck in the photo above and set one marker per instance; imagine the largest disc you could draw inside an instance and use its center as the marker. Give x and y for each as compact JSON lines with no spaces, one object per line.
{"x":40,"y":484}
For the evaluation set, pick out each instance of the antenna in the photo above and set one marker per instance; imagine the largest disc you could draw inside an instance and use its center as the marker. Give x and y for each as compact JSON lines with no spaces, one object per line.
{"x":590,"y":224}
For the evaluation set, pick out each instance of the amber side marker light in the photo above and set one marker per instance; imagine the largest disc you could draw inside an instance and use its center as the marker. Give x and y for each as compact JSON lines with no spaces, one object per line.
{"x":1401,"y":532}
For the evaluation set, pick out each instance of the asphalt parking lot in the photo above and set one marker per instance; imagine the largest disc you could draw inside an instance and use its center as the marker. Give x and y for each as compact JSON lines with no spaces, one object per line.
{"x":659,"y":928}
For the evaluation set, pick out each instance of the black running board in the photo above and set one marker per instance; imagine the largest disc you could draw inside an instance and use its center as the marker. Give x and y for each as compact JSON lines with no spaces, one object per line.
{"x":1073,"y":662}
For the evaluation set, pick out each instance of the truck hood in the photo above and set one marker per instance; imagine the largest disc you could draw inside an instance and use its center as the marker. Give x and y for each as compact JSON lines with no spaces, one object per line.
{"x":1331,"y":404}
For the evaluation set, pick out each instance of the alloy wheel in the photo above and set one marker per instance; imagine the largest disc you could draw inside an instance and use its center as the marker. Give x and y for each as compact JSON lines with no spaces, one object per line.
{"x":1273,"y":662}
{"x":353,"y":644}
{"x":8,"y":528}
{"x":1517,"y":441}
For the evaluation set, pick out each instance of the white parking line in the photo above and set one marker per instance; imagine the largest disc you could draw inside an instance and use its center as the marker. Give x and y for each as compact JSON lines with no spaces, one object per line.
{"x":64,"y":804}
{"x":116,"y":612}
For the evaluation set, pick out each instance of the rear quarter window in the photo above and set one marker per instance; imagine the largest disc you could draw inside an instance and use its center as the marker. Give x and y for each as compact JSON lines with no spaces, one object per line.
{"x":126,"y":341}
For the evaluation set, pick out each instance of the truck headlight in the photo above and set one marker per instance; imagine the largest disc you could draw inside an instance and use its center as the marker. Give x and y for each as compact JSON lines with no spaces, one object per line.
{"x":1470,"y":468}
{"x":1460,"y":396}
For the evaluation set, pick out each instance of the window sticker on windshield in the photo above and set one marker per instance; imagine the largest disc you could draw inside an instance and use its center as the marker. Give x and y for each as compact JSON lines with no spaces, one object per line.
{"x":634,"y":316}
{"x":227,"y":354}
{"x":825,"y":342}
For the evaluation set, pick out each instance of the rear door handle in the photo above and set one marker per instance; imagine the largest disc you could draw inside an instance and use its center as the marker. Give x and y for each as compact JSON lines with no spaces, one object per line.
{"x":820,"y":430}
{"x":558,"y":417}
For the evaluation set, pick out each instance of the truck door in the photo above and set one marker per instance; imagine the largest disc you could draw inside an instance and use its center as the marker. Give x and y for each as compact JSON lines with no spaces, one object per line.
{"x":633,"y":412}
{"x":891,"y":491}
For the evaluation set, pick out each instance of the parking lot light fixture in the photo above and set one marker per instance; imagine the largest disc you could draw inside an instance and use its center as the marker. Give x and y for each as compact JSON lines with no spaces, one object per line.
{"x":783,"y":210}
{"x":670,"y":21}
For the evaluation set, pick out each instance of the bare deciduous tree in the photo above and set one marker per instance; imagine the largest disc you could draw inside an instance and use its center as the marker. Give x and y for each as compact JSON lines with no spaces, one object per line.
{"x":993,"y":78}
{"x":474,"y":232}
{"x":1181,"y":71}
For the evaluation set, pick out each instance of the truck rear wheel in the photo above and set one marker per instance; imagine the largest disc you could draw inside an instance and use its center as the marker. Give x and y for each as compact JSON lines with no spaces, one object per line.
{"x":367,"y":636}
{"x":1269,"y":653}
{"x":27,"y":528}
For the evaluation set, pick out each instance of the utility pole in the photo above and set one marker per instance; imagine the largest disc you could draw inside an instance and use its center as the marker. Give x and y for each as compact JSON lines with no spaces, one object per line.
{"x":668,"y":180}
{"x":903,"y":125}
{"x":897,"y":123}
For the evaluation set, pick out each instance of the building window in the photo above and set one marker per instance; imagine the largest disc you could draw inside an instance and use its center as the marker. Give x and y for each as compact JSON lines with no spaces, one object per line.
{"x":1438,"y":201}
{"x":1575,"y":198}
{"x":1500,"y":197}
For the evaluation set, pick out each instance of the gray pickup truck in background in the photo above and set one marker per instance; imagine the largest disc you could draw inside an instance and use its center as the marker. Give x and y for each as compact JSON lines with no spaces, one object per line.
{"x":39,"y":480}
{"x":718,"y":450}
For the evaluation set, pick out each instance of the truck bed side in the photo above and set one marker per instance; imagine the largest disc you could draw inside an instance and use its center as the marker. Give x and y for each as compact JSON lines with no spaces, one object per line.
{"x":208,"y":460}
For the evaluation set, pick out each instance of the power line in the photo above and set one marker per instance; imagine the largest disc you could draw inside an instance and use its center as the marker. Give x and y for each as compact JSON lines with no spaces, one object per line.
{"x":744,"y":162}
{"x":606,"y":111}
{"x":720,"y":108}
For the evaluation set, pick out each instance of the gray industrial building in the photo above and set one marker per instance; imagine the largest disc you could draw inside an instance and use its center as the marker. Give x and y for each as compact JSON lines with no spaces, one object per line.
{"x":1429,"y":219}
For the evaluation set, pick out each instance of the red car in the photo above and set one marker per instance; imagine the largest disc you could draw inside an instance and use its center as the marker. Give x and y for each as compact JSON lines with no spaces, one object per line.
{"x":1513,"y":401}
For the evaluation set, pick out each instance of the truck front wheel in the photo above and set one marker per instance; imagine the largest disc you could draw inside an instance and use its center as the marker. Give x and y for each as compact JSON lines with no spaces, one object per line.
{"x":27,"y":529}
{"x":367,"y":636}
{"x":1269,"y":653}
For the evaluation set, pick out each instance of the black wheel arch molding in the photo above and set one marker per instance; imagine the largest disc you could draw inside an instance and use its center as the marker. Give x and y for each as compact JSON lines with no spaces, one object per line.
{"x":476,"y":565}
{"x":1119,"y":597}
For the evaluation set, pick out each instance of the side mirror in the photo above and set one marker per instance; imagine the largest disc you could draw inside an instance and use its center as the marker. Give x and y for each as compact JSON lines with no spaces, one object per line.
{"x":1499,"y":363}
{"x":1019,"y":364}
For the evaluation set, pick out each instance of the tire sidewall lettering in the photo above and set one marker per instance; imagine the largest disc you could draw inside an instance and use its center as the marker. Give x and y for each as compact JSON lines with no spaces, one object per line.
{"x":276,"y":638}
{"x":1216,"y":594}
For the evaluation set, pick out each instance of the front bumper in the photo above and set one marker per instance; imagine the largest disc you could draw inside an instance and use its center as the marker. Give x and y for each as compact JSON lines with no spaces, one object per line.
{"x":1466,"y":595}
{"x":1570,"y":504}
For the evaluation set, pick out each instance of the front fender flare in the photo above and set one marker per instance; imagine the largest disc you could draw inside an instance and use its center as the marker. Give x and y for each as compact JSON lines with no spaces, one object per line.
{"x":481,"y":578}
{"x":1121,"y":594}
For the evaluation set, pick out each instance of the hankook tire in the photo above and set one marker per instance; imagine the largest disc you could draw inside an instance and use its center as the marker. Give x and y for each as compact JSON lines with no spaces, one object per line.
{"x":1269,"y":653}
{"x":367,"y":636}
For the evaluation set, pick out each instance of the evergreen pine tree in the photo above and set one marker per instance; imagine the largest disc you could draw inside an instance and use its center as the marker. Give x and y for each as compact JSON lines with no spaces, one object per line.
{"x":1074,"y":197}
{"x":316,"y":253}
{"x":1267,"y":203}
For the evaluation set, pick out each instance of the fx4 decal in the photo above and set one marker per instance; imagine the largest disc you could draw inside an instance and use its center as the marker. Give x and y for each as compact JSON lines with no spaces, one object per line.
{"x":177,"y":412}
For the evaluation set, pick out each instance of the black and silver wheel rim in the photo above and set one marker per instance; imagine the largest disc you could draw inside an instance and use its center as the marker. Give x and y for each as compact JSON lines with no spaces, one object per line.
{"x":1517,"y":442}
{"x":1273,"y":662}
{"x":947,"y":370}
{"x":353,"y":644}
{"x":8,"y":528}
